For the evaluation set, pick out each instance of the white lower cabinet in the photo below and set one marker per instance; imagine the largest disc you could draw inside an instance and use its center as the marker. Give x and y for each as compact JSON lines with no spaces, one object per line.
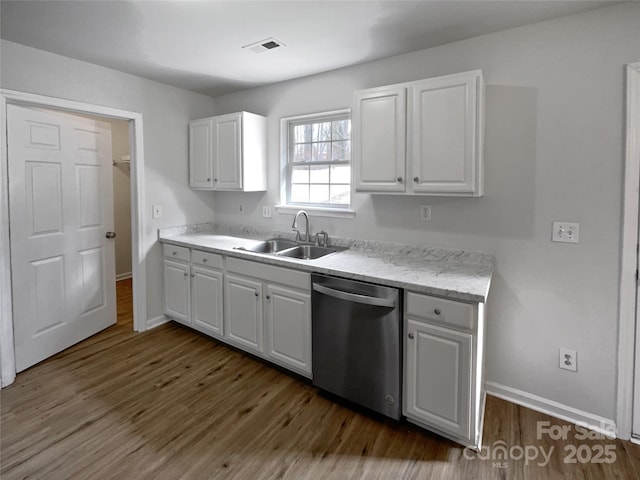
{"x":288,"y":322}
{"x":206,"y":300}
{"x":438,"y":376}
{"x":193,"y":288}
{"x":268,"y":312}
{"x":243,"y":312}
{"x":177,"y":290}
{"x":444,"y":383}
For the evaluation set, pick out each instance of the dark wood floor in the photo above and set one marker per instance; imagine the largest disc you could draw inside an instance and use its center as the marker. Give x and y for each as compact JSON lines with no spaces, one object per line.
{"x":173,"y":404}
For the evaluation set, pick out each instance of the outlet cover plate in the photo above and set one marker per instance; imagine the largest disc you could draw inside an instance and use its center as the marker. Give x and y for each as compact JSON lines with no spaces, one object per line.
{"x":565,"y":232}
{"x":266,"y":211}
{"x":425,"y":213}
{"x":568,"y":359}
{"x":156,"y":211}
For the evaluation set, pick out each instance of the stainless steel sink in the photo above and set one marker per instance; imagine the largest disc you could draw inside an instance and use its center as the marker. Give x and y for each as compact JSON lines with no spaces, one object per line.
{"x":307,"y":252}
{"x":272,"y":245}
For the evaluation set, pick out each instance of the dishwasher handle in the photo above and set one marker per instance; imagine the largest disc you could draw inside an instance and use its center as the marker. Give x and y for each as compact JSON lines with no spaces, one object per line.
{"x":355,"y":297}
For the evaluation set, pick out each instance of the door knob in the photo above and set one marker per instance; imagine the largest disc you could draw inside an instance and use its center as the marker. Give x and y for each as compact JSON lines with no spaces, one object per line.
{"x":110,"y":235}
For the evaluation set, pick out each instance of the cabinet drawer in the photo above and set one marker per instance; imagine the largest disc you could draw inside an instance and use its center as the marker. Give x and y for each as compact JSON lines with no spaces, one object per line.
{"x":175,"y":252}
{"x":206,"y":259}
{"x":440,"y":310}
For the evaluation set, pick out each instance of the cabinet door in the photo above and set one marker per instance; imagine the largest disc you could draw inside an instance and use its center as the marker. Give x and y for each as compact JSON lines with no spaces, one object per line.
{"x":227,"y":152}
{"x":243,"y":312}
{"x":176,"y":290}
{"x":379,"y":118}
{"x":289,"y":327}
{"x":206,"y":301}
{"x":438,"y":377}
{"x":444,"y":135}
{"x":200,"y":162}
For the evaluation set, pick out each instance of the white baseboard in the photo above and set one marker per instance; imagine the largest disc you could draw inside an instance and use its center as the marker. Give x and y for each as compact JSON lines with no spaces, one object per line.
{"x":123,"y":276}
{"x":597,"y":423}
{"x":157,"y":321}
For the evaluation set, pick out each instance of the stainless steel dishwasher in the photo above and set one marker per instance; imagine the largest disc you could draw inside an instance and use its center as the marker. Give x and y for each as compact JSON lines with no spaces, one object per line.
{"x":356,"y":342}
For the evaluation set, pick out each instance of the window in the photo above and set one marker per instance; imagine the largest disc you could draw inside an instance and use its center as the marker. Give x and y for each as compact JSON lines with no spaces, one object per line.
{"x":317,"y":167}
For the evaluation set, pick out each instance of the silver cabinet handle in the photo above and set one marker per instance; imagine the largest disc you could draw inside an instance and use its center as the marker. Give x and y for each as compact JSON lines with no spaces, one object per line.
{"x":174,"y":253}
{"x":416,"y":179}
{"x":257,"y":294}
{"x":268,"y":297}
{"x":354,"y":297}
{"x":399,"y":179}
{"x":204,"y":260}
{"x":215,"y":179}
{"x":110,"y":234}
{"x":411,"y":336}
{"x":437,"y":311}
{"x":186,"y":274}
{"x":193,"y":275}
{"x":208,"y":179}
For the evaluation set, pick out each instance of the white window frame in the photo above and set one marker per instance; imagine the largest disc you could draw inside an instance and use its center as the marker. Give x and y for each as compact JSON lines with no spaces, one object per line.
{"x":340,"y":211}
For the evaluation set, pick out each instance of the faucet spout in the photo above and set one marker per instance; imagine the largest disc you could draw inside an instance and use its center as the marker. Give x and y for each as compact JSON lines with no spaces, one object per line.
{"x":295,"y":226}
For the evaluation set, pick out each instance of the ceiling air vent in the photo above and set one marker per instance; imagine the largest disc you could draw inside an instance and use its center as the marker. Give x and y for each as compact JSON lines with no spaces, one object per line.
{"x":264,"y":45}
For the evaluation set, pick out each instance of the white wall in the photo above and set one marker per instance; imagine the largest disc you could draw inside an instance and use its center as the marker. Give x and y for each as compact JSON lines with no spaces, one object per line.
{"x":166,"y":112}
{"x":554,"y":137}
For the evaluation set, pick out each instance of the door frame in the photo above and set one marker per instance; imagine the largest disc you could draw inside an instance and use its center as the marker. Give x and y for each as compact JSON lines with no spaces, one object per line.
{"x":627,"y":331}
{"x":138,"y":265}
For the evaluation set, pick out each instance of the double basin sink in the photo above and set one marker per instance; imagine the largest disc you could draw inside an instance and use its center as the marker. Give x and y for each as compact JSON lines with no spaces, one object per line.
{"x":288,"y":248}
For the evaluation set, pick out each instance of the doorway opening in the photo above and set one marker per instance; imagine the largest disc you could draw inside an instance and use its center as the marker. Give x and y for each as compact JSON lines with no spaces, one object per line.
{"x":121,"y":169}
{"x":134,"y":122}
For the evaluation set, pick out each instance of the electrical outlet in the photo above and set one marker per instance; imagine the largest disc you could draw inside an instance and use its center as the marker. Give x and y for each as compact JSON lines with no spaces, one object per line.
{"x":565,"y":232}
{"x":425,"y":213}
{"x":266,"y":211}
{"x":568,"y":359}
{"x":156,"y":211}
{"x":241,"y":207}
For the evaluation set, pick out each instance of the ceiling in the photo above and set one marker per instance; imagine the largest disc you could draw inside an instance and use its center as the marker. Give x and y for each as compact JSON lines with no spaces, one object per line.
{"x":196,"y":45}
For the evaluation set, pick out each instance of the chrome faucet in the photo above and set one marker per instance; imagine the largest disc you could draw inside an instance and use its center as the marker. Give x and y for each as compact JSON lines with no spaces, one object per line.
{"x":295,"y":226}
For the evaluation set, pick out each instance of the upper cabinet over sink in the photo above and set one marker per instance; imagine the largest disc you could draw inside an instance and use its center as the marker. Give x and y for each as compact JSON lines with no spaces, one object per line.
{"x":228,"y":152}
{"x":420,"y":138}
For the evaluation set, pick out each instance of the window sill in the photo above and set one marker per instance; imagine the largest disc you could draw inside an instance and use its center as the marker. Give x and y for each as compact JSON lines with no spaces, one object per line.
{"x":316,"y":211}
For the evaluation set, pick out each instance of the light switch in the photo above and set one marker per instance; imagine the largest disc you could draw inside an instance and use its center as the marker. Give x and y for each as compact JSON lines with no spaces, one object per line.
{"x":565,"y":232}
{"x":156,"y":211}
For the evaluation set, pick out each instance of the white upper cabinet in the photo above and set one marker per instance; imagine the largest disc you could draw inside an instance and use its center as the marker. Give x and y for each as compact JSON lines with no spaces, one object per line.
{"x":441,"y":129}
{"x":200,"y":164}
{"x":228,"y":152}
{"x":379,"y":124}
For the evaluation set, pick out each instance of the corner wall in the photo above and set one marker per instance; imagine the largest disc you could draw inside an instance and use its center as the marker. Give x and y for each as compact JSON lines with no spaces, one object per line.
{"x":553,"y":151}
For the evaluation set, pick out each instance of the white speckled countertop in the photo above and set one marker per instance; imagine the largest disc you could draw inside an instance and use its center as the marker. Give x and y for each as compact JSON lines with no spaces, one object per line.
{"x":453,"y":274}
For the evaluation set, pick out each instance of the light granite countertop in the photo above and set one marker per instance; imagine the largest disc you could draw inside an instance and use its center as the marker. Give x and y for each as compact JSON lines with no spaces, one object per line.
{"x":454,"y":274}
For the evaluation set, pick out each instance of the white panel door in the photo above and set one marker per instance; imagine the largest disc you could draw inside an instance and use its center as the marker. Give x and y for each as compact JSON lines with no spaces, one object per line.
{"x":200,"y":151}
{"x":206,"y":304}
{"x":227,"y":152}
{"x":289,"y":327}
{"x":60,"y":206}
{"x":443,"y":129}
{"x":438,"y":377}
{"x":243,"y":312}
{"x":379,"y":143}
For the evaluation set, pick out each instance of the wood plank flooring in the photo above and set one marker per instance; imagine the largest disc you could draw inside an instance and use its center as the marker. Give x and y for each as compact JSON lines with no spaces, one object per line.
{"x":173,"y":404}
